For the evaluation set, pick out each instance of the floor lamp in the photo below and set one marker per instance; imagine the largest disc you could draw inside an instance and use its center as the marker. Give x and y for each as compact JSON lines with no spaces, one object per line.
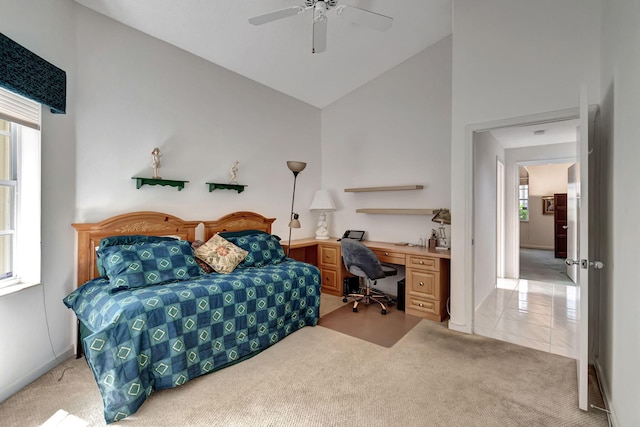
{"x":296,"y":168}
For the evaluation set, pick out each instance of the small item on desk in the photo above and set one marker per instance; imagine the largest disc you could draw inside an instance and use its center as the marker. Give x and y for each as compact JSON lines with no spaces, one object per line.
{"x":401,"y":244}
{"x":433,"y":241}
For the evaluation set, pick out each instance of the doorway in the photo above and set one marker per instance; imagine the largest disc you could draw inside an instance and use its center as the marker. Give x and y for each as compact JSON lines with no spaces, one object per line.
{"x":528,"y":312}
{"x":542,"y":209}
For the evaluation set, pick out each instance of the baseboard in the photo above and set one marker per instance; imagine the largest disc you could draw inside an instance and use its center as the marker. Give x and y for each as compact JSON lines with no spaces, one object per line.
{"x":18,"y":385}
{"x":606,"y":393}
{"x":460,"y":328}
{"x":546,"y":248}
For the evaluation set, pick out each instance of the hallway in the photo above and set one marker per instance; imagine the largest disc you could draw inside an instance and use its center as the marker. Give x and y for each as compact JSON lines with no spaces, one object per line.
{"x":539,"y":311}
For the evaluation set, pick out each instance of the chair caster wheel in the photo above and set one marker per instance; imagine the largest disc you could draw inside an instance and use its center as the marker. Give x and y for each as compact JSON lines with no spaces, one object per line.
{"x":355,"y":309}
{"x":344,"y":300}
{"x":383,"y":311}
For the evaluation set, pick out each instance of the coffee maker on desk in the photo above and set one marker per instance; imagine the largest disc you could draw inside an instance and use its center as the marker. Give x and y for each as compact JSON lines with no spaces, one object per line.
{"x":443,"y":216}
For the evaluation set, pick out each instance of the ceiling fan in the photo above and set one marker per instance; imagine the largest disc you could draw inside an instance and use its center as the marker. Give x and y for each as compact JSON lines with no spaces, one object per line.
{"x":320,"y":9}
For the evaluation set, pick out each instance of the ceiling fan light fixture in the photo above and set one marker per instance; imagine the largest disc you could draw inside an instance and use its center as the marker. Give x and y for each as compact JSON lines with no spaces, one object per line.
{"x":320,"y":7}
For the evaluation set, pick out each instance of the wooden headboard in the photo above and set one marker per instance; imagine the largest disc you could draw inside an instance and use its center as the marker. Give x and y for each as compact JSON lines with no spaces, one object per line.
{"x":237,"y":221}
{"x":155,"y":224}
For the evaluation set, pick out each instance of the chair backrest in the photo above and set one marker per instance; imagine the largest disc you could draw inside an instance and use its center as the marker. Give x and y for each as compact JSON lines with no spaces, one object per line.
{"x":359,"y":258}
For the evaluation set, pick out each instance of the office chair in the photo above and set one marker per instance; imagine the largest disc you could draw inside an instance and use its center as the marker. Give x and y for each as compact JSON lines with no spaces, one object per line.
{"x":362,"y":262}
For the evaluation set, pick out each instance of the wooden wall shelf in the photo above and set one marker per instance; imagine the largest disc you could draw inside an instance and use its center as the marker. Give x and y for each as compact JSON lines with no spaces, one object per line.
{"x":397,"y":211}
{"x":158,"y":181}
{"x":391,"y":188}
{"x":215,"y":186}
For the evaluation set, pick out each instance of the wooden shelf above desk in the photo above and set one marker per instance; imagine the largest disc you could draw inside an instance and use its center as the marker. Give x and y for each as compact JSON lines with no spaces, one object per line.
{"x":389,"y":188}
{"x":397,"y":211}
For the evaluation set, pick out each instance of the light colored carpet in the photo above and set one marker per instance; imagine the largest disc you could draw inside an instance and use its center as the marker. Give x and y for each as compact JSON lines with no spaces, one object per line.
{"x":318,"y":377}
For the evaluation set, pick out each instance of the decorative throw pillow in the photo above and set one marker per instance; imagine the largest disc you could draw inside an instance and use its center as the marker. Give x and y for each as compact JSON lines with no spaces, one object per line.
{"x":262,"y":249}
{"x":133,"y":239}
{"x":132,"y":266}
{"x":222,"y":255}
{"x":203,"y":265}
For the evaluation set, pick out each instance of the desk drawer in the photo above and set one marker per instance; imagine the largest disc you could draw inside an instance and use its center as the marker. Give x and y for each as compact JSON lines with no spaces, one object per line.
{"x":423,"y":262}
{"x":328,"y":256}
{"x":330,"y":281}
{"x":389,"y":256}
{"x":423,"y":284}
{"x":429,"y":309}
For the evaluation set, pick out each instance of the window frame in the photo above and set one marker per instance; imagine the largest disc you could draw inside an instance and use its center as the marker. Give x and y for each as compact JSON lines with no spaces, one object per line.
{"x":25,"y":222}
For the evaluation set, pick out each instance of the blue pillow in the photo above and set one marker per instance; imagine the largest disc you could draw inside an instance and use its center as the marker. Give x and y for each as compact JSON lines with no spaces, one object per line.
{"x":133,"y":266}
{"x":262,"y":248}
{"x":124,"y":240}
{"x":242,"y":233}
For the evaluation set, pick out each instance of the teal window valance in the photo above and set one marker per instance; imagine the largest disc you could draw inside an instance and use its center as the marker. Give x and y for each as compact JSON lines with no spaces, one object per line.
{"x":25,"y":73}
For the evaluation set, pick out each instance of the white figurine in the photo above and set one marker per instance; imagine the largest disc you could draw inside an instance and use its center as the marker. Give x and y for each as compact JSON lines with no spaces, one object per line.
{"x":155,"y":162}
{"x":233,"y":173}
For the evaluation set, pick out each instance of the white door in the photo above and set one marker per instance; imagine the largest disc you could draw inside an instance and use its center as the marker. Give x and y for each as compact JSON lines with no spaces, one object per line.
{"x":500,"y":208}
{"x":582,"y":261}
{"x":572,"y":219}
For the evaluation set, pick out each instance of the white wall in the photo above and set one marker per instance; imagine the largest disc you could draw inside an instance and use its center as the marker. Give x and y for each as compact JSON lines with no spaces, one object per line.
{"x":511,"y":58}
{"x":544,"y":180}
{"x":619,"y":345}
{"x":487,"y":151}
{"x":35,"y":327}
{"x":136,"y":92}
{"x":394,"y":130}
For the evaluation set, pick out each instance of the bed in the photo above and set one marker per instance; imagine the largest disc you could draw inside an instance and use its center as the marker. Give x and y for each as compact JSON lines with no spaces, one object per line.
{"x":165,"y":326}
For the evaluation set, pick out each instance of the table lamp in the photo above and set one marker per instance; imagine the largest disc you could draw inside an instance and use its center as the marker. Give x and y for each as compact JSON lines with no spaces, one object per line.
{"x":443,"y":216}
{"x":322,"y":202}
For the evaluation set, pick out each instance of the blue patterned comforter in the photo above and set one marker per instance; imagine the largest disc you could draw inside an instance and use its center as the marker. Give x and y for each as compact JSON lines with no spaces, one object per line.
{"x":162,"y":336}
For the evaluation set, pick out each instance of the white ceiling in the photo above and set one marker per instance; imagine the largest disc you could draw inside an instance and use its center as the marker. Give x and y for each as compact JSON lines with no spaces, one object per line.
{"x":524,"y":136}
{"x":278,"y":54}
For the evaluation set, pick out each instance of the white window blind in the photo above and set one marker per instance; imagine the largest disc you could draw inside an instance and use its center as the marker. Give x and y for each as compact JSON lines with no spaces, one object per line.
{"x":18,"y":109}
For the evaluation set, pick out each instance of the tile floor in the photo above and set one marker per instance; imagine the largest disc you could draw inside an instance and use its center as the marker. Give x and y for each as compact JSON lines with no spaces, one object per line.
{"x":540,"y":315}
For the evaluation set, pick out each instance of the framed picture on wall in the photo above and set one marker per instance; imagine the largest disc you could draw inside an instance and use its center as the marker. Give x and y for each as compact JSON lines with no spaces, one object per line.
{"x":547,"y":205}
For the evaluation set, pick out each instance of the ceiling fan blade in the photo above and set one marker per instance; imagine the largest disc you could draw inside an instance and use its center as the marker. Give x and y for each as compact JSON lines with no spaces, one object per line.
{"x":319,"y":34}
{"x":365,"y":17}
{"x":278,"y":14}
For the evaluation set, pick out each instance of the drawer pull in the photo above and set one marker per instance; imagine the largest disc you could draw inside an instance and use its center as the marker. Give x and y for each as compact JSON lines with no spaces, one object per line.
{"x":421,"y":262}
{"x":421,"y":305}
{"x":386,"y":254}
{"x":421,"y":283}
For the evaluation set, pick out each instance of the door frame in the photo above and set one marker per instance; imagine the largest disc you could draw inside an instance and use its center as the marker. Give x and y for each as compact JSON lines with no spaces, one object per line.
{"x":467,"y":227}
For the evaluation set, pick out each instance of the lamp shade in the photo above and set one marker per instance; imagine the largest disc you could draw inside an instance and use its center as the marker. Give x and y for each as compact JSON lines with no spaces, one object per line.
{"x":322,"y":201}
{"x":443,"y":216}
{"x":294,"y":223}
{"x":296,"y":167}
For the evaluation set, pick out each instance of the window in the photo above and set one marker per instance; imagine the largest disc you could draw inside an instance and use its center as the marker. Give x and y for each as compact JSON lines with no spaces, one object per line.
{"x":19,"y":190}
{"x":523,"y":198}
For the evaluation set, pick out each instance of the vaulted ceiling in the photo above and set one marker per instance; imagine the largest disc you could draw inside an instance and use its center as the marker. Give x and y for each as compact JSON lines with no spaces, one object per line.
{"x":278,"y":54}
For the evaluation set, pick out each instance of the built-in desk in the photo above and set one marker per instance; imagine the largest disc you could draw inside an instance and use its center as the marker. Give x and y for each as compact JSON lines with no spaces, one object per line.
{"x":426,"y":271}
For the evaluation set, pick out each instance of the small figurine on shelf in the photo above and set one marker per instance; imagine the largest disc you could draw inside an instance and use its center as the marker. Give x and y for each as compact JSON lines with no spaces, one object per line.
{"x":155,"y":162}
{"x":233,"y":173}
